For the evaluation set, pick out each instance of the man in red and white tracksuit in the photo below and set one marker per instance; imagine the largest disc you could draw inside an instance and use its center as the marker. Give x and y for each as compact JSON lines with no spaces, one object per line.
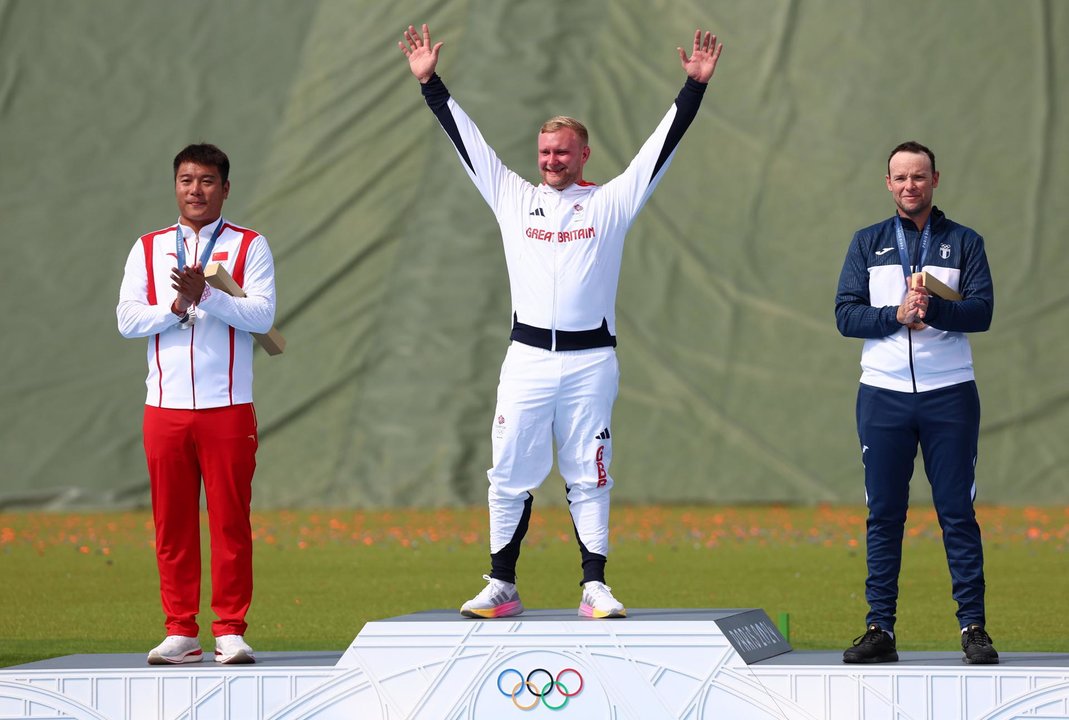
{"x":199,"y":421}
{"x":563,"y":242}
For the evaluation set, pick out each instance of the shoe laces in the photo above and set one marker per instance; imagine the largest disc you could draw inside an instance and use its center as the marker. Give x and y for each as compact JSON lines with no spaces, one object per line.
{"x":976,"y":635}
{"x":874,"y":634}
{"x":599,"y":590}
{"x":493,"y":586}
{"x":173,"y":642}
{"x":231,"y":641}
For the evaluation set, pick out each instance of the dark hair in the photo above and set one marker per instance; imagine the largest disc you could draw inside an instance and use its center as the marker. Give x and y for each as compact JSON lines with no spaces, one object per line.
{"x":204,"y":154}
{"x":911,"y":146}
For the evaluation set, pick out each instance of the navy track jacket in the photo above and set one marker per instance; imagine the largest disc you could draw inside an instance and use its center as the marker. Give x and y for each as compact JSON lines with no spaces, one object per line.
{"x":872,"y":285}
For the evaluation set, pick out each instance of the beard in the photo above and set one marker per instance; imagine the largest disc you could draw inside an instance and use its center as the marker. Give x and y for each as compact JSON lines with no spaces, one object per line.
{"x":561,"y":180}
{"x":914,"y":209}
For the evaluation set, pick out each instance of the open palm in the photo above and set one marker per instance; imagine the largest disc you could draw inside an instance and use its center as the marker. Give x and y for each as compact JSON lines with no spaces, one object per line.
{"x":701,"y":64}
{"x":421,"y":53}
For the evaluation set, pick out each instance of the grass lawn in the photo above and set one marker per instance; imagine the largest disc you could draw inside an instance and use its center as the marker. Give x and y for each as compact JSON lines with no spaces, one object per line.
{"x":86,"y":583}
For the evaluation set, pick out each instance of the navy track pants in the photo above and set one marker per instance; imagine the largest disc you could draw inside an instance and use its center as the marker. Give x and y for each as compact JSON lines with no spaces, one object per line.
{"x":946,"y":425}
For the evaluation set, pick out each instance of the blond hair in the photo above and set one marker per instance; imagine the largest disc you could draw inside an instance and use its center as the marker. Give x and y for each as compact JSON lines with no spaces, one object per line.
{"x":559,"y":122}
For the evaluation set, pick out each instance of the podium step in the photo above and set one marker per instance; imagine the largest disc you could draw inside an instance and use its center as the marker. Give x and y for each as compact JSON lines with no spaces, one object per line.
{"x":656,"y":663}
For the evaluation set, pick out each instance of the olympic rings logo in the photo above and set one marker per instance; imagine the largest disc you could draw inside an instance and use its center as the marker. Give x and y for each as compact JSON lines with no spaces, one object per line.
{"x":540,"y":693}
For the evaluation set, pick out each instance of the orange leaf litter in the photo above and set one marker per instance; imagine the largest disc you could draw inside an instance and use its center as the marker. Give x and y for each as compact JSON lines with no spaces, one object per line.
{"x":698,"y":526}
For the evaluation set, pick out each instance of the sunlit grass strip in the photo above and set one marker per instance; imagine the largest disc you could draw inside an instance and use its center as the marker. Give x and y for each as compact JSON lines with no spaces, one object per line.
{"x":86,"y":582}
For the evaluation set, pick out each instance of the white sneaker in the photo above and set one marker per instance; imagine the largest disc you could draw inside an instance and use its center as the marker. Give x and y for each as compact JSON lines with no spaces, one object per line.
{"x":233,"y":650}
{"x":598,"y":602}
{"x":176,"y":649}
{"x":498,"y":599}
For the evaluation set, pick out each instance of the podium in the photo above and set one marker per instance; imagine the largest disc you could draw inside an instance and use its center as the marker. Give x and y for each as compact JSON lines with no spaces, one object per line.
{"x":652,"y":664}
{"x":655,"y":664}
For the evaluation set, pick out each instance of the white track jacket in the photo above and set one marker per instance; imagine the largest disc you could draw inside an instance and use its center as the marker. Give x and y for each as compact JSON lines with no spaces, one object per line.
{"x":563,"y":248}
{"x":207,"y":363}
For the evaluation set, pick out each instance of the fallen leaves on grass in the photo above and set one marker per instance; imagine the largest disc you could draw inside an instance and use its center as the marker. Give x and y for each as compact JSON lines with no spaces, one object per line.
{"x":697,"y":527}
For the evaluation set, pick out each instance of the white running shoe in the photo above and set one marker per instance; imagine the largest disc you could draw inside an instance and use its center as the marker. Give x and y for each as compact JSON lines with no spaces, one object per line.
{"x":598,"y":602}
{"x":233,"y":650}
{"x":497,"y":599}
{"x":176,"y":649}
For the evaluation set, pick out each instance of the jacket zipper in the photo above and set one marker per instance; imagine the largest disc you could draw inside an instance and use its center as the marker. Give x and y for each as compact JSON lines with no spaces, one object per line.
{"x":912,"y":370}
{"x":909,"y":330}
{"x":553,"y":307}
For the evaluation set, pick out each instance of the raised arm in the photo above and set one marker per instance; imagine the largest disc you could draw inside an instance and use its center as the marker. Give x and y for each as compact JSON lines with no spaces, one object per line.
{"x":701,"y":64}
{"x":633,"y":187}
{"x":421,"y":53}
{"x":485,"y":169}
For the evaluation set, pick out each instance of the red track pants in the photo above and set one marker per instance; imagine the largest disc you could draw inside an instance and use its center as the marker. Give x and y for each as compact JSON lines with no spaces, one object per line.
{"x":182,"y":446}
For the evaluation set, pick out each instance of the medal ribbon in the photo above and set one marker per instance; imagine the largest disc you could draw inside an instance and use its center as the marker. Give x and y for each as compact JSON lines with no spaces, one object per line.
{"x":903,"y":254}
{"x":180,"y":246}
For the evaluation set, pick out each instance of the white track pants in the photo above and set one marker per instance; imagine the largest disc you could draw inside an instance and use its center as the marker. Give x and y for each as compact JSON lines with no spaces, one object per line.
{"x":544,"y":396}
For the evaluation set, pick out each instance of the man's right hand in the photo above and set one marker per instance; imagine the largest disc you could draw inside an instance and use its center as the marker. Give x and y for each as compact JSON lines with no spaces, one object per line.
{"x":422,"y":55}
{"x":914,"y":305}
{"x":189,"y":284}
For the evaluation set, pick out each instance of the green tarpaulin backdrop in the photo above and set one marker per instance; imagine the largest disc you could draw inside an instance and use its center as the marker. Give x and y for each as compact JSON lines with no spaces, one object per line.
{"x":392,"y":292}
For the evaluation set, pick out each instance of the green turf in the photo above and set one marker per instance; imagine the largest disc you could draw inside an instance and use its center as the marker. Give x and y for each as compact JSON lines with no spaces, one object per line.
{"x":86,"y":583}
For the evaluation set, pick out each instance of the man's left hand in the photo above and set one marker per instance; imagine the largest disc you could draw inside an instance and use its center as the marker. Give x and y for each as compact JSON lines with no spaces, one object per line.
{"x":701,"y":64}
{"x":189,"y":283}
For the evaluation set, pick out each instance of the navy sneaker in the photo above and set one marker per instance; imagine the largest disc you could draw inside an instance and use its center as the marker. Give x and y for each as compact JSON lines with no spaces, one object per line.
{"x":875,"y":646}
{"x":976,"y":646}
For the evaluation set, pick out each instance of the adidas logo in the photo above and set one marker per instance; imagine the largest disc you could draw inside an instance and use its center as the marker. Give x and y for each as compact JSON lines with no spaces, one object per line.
{"x":603,"y":435}
{"x":539,"y":212}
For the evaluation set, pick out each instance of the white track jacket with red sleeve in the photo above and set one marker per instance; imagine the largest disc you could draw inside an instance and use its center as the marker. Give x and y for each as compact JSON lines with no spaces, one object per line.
{"x":207,"y":363}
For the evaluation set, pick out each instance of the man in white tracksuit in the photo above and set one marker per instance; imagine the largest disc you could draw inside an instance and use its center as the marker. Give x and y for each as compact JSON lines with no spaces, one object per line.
{"x":199,"y":420}
{"x":563,"y":243}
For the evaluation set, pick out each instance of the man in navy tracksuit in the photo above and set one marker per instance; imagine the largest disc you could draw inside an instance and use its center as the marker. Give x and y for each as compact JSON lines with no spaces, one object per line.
{"x":917,"y":387}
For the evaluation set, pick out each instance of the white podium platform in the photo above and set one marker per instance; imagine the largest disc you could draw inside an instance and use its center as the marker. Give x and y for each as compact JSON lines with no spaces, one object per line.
{"x":692,"y":664}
